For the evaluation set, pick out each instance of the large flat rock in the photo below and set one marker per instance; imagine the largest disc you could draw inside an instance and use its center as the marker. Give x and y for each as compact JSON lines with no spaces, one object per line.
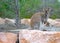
{"x":37,"y":36}
{"x":8,"y":37}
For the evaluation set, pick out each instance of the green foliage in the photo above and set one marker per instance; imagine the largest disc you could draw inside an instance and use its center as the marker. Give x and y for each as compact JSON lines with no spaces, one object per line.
{"x":54,"y":16}
{"x":27,"y":8}
{"x":6,"y":9}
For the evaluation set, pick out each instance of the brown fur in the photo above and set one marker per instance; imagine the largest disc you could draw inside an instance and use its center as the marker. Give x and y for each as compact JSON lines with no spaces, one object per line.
{"x":39,"y":16}
{"x":35,"y":19}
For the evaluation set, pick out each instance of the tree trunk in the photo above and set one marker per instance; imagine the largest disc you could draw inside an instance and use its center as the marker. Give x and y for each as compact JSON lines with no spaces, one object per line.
{"x":17,"y":14}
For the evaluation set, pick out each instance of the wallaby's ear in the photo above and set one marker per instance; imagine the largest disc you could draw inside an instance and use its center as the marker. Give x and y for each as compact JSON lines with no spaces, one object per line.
{"x":50,"y":9}
{"x":47,"y":9}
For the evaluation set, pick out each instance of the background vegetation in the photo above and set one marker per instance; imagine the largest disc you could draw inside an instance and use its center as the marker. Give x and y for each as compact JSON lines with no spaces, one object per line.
{"x":28,"y":7}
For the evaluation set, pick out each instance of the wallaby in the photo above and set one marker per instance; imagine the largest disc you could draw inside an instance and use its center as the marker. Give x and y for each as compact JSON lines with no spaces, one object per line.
{"x":39,"y":17}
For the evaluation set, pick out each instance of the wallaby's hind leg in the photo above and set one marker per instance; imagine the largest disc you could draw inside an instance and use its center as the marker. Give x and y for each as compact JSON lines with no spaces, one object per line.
{"x":32,"y":27}
{"x":35,"y":26}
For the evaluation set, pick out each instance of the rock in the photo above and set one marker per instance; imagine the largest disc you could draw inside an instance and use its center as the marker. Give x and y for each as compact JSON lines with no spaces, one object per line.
{"x":57,"y":24}
{"x":51,"y":21}
{"x":8,"y":37}
{"x":36,"y":36}
{"x":10,"y":20}
{"x":25,"y":21}
{"x":54,"y":22}
{"x":2,"y":21}
{"x":9,"y":24}
{"x":57,"y":20}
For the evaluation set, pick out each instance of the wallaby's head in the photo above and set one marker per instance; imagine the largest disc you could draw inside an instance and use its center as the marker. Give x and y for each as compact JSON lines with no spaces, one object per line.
{"x":47,"y":10}
{"x":46,"y":15}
